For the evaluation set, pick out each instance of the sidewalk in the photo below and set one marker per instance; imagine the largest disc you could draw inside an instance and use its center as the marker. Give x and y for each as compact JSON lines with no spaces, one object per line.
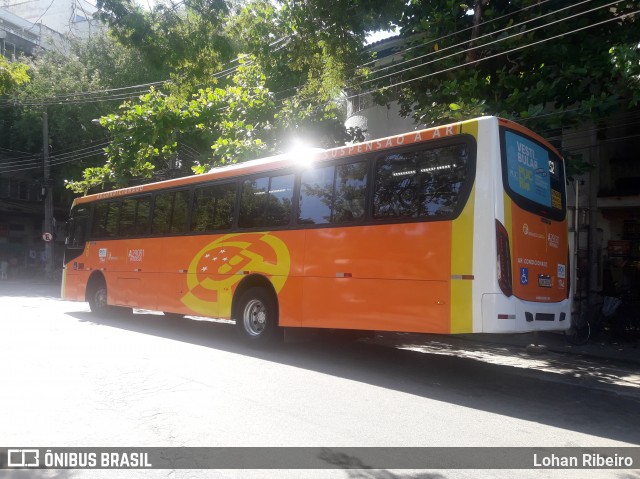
{"x":602,"y":347}
{"x":601,"y":365}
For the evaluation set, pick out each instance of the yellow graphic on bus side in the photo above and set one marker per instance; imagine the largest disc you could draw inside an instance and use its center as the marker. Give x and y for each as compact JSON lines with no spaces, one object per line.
{"x":219,"y":266}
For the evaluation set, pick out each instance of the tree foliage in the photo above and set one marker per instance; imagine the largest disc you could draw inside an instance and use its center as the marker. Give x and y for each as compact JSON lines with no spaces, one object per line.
{"x":146,"y":132}
{"x":275,"y":90}
{"x":187,"y":38}
{"x":243,"y":79}
{"x":549,"y":64}
{"x":12,"y":75}
{"x":60,"y":84}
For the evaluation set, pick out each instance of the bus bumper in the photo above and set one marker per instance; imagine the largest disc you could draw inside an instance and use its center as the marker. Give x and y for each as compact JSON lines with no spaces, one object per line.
{"x":501,"y":314}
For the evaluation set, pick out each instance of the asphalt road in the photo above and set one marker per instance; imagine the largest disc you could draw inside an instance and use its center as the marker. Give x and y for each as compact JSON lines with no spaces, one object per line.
{"x":73,"y":380}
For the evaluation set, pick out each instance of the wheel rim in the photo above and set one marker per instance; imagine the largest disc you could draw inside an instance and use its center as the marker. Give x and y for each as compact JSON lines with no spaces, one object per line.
{"x":255,"y":317}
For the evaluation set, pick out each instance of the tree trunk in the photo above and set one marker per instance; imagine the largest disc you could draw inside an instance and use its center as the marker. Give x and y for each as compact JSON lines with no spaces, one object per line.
{"x":478,"y":10}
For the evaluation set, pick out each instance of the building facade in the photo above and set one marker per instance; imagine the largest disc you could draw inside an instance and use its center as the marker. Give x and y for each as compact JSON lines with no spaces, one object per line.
{"x":65,"y":18}
{"x":25,"y":29}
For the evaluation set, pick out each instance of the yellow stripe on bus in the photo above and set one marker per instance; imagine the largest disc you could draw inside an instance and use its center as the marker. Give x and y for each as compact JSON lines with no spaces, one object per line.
{"x":462,"y":257}
{"x":507,"y":221}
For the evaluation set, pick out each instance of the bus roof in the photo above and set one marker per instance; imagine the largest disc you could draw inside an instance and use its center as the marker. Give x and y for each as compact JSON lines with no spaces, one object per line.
{"x":289,"y":160}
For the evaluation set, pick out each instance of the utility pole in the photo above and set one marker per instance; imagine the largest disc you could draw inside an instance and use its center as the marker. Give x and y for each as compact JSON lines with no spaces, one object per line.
{"x":48,"y":198}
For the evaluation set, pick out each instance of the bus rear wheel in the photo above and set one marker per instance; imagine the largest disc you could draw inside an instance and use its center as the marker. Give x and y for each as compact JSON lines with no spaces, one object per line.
{"x":256,"y":316}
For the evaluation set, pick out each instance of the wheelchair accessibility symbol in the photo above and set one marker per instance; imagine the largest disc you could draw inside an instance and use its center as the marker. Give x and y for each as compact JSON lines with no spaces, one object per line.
{"x":524,"y":276}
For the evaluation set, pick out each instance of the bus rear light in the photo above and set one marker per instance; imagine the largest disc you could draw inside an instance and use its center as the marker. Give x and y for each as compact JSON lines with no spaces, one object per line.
{"x":504,"y":259}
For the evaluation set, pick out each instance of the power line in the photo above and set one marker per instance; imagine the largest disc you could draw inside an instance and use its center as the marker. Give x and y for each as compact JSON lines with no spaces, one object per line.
{"x":69,"y":99}
{"x":36,"y":161}
{"x":62,"y":153}
{"x":488,"y":43}
{"x":457,"y":32}
{"x":522,"y":47}
{"x":40,"y":17}
{"x":53,"y":162}
{"x":466,"y":42}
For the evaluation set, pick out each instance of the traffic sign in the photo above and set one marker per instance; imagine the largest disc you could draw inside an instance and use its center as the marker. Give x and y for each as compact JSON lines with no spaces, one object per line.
{"x":47,"y":237}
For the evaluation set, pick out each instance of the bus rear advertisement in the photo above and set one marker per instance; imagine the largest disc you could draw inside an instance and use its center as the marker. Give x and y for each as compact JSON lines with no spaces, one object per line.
{"x":456,"y":229}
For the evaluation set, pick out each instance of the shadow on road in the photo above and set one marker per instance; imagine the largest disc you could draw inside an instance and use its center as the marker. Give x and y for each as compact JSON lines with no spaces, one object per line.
{"x":564,"y":398}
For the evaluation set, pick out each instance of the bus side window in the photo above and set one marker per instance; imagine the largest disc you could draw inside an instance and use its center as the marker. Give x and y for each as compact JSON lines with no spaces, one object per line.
{"x":423,"y":183}
{"x":279,"y":200}
{"x":128,"y":217}
{"x":266,"y":201}
{"x":253,"y":202}
{"x":395,"y":187}
{"x":161,"y":221}
{"x":333,"y":194}
{"x":350,"y":192}
{"x":134,"y":216}
{"x":444,"y":173}
{"x":180,"y":211}
{"x":170,"y":212}
{"x":213,"y":207}
{"x":316,"y":196}
{"x":105,"y":219}
{"x":143,"y":211}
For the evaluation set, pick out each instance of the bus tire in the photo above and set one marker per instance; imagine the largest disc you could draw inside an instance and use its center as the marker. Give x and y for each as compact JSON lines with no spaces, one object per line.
{"x":97,"y":297}
{"x":256,"y":316}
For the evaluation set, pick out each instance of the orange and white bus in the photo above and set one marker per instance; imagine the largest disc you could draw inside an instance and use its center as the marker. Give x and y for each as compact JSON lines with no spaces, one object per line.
{"x":455,"y":229}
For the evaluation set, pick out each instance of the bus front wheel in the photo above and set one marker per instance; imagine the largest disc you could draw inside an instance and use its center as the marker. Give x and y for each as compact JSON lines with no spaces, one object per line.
{"x":257,"y":316}
{"x":98,"y":298}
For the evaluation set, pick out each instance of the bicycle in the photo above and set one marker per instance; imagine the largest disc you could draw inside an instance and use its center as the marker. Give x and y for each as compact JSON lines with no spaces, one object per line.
{"x":579,"y":332}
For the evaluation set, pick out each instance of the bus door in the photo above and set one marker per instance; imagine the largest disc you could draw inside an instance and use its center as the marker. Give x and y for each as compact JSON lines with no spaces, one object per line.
{"x":75,"y":243}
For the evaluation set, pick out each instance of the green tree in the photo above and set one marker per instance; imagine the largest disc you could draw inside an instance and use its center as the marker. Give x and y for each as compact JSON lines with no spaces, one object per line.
{"x":549,"y":64}
{"x":74,"y":88}
{"x":12,"y":75}
{"x":146,"y":132}
{"x":187,"y":36}
{"x":293,"y":61}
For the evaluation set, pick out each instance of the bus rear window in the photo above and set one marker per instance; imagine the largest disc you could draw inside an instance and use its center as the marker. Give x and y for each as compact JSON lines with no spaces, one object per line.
{"x":533,"y":175}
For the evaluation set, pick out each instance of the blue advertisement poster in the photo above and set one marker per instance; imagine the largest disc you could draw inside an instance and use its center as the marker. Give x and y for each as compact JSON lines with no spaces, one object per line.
{"x":528,"y":167}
